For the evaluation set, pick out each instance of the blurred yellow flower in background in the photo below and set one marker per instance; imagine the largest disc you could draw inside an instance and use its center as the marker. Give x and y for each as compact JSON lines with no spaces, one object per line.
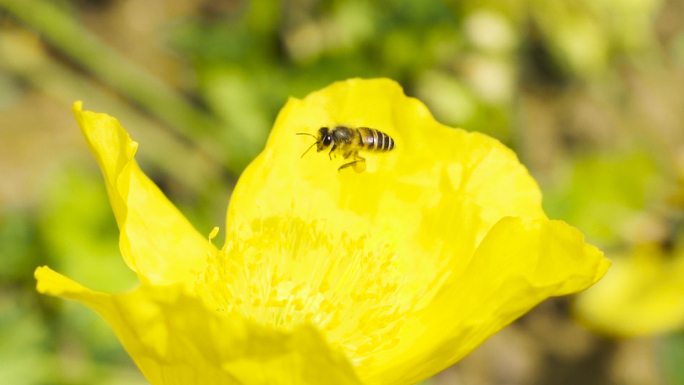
{"x":630,"y":205}
{"x":643,"y":294}
{"x":382,"y":277}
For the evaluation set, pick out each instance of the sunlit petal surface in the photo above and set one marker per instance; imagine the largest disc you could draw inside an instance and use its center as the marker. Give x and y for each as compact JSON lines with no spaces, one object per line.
{"x":174,"y":339}
{"x":156,"y":240}
{"x":396,"y":272}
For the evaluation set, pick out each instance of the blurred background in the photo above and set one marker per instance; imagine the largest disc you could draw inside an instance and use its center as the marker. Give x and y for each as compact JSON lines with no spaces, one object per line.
{"x":589,"y":93}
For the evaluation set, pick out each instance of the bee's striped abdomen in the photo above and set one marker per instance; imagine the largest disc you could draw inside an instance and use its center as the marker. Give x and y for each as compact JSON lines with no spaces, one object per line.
{"x":374,"y":140}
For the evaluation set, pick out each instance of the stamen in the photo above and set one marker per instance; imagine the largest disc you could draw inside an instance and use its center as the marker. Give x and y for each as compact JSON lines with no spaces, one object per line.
{"x":213,"y":233}
{"x":285,"y":272}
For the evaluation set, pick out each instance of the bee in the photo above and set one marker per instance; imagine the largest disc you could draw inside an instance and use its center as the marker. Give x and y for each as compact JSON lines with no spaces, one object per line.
{"x":349,"y":141}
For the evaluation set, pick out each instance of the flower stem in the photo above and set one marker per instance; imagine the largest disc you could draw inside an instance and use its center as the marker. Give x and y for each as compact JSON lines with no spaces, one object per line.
{"x":68,"y":35}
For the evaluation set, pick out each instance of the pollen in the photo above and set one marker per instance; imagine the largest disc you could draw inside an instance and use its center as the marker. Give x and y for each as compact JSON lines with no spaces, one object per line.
{"x":285,"y":272}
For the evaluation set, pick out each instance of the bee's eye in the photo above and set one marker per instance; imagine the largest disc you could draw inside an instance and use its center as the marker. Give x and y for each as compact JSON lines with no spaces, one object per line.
{"x":327,"y":140}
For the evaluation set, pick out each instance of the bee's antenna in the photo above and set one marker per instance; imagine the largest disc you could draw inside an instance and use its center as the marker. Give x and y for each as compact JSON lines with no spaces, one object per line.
{"x":307,"y":150}
{"x":311,"y":135}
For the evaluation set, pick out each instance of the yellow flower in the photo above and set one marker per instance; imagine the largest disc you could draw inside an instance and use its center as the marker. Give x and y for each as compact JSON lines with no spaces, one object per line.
{"x":385,"y":276}
{"x":642,"y":294}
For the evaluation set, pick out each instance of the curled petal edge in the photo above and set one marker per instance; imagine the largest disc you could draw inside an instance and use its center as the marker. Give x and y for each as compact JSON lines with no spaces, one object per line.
{"x":156,"y":240}
{"x":175,"y":339}
{"x":541,"y":259}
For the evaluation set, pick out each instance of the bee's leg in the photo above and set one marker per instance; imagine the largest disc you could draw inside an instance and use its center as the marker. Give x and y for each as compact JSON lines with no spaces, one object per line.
{"x":332,"y":150}
{"x":358,"y":160}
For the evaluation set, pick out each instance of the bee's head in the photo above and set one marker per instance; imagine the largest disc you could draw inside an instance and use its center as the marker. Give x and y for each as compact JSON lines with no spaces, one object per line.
{"x":324,"y":138}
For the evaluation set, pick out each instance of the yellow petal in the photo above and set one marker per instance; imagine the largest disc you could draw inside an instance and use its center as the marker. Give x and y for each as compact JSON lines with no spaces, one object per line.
{"x":397,"y":185}
{"x":379,"y":245}
{"x":519,"y":264}
{"x":642,"y":294}
{"x":175,"y":340}
{"x":156,"y":240}
{"x":437,"y":184}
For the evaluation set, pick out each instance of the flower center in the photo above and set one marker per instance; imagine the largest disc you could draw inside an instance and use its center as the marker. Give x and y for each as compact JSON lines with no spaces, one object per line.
{"x":282,"y":272}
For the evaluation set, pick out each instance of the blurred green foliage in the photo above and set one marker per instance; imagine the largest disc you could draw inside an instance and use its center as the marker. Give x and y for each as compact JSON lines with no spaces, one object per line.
{"x":587,"y":92}
{"x":602,"y":192}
